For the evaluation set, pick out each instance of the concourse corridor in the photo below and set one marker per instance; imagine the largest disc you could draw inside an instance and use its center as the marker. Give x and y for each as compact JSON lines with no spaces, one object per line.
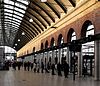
{"x":29,"y":78}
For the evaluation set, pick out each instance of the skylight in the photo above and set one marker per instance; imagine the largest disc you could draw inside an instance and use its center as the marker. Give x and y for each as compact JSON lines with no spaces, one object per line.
{"x":14,"y":11}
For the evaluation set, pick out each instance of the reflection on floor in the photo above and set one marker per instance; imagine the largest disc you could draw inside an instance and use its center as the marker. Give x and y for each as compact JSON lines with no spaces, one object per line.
{"x":29,"y":78}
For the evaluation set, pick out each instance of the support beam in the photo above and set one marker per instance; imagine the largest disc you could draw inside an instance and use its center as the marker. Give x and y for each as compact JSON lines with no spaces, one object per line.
{"x":73,"y":2}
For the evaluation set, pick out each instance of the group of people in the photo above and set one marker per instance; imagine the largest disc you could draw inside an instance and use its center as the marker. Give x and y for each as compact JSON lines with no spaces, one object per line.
{"x":44,"y":67}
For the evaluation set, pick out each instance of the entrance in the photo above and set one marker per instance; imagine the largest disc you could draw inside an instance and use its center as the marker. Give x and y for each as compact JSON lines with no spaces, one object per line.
{"x":88,"y":58}
{"x":88,"y":63}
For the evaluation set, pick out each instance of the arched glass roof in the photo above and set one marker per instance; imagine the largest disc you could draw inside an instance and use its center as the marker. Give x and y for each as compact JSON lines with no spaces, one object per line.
{"x":15,"y":16}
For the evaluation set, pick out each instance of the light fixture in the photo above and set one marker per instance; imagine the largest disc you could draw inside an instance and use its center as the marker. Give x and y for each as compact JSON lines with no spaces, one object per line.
{"x":23,"y":33}
{"x":15,"y":44}
{"x":18,"y":40}
{"x":31,"y":20}
{"x":14,"y":47}
{"x":43,"y":0}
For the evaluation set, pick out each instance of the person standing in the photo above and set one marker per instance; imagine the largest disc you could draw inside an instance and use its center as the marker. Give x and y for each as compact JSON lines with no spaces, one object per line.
{"x":53,"y":69}
{"x":59,"y":69}
{"x":42,"y":67}
{"x":28,"y":65}
{"x":35,"y":65}
{"x":31,"y":66}
{"x":66,"y":69}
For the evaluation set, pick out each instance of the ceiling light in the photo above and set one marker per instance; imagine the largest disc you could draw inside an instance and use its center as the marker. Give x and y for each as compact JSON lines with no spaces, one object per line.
{"x":43,"y":0}
{"x":18,"y":40}
{"x":23,"y":33}
{"x":31,"y":20}
{"x":15,"y":44}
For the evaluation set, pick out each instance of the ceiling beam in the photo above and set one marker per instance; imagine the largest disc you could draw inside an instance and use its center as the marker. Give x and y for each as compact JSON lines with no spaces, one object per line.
{"x":53,"y":9}
{"x":61,"y":5}
{"x":40,"y":14}
{"x":73,"y":2}
{"x":48,"y":13}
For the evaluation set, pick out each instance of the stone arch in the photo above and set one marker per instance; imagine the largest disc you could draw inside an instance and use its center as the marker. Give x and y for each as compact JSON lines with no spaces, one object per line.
{"x":42,"y":46}
{"x":84,"y":28}
{"x":52,"y":42}
{"x":69,"y":35}
{"x":33,"y":49}
{"x":59,"y":39}
{"x":46,"y":44}
{"x":27,"y":51}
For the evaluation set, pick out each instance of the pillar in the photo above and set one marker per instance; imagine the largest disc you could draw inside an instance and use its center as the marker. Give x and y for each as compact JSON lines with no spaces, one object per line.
{"x":79,"y":64}
{"x":47,"y":56}
{"x":59,"y":55}
{"x":52,"y":56}
{"x":97,"y":60}
{"x":69,"y":58}
{"x":67,"y":55}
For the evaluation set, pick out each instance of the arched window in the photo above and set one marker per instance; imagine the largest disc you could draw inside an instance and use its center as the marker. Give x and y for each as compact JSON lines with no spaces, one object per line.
{"x":52,"y":42}
{"x":88,"y":48}
{"x":33,"y":49}
{"x":73,"y":37}
{"x":60,"y":39}
{"x":42,"y":46}
{"x":46,"y":44}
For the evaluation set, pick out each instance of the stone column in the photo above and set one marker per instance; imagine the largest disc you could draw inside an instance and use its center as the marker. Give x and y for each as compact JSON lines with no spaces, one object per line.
{"x":47,"y":56}
{"x":67,"y":55}
{"x":79,"y":64}
{"x":59,"y":55}
{"x":97,"y":60}
{"x":43,"y":57}
{"x":69,"y":58}
{"x":52,"y":56}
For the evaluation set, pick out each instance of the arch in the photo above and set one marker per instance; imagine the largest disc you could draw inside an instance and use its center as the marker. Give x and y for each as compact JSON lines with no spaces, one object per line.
{"x":69,"y":35}
{"x":59,"y":39}
{"x":52,"y":42}
{"x":46,"y":44}
{"x":84,"y":28}
{"x":33,"y":49}
{"x":42,"y":46}
{"x":27,"y":51}
{"x":88,"y":48}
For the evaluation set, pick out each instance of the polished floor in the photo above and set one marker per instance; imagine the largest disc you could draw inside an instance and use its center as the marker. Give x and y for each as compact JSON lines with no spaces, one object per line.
{"x":29,"y":78}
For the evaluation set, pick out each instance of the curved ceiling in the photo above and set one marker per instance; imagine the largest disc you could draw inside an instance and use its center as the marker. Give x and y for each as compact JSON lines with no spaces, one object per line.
{"x":15,"y":16}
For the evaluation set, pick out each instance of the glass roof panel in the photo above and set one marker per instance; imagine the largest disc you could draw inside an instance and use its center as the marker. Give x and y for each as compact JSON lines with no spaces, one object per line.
{"x":7,"y":14}
{"x":20,"y":5}
{"x":8,"y":17}
{"x":8,"y":6}
{"x":17,"y":17}
{"x":14,"y":11}
{"x":18,"y":13}
{"x":14,"y":24}
{"x":20,"y":10}
{"x":24,"y":1}
{"x":7,"y":10}
{"x":9,"y":1}
{"x":17,"y":20}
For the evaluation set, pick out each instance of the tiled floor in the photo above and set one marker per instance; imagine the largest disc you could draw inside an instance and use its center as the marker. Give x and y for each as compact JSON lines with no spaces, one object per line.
{"x":29,"y":78}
